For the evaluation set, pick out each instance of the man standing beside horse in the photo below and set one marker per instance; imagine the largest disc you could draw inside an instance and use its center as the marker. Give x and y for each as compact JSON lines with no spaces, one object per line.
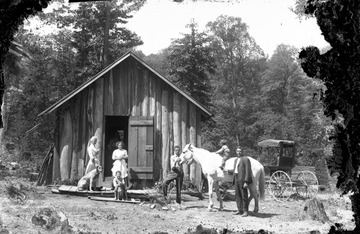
{"x":176,"y":174}
{"x":242,"y":179}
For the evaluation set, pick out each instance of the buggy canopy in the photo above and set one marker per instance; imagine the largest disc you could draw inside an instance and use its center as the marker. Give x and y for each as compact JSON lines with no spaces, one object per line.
{"x":276,"y":143}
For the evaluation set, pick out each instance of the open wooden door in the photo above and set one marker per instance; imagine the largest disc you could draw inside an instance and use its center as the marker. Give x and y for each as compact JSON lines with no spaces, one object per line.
{"x":141,"y":147}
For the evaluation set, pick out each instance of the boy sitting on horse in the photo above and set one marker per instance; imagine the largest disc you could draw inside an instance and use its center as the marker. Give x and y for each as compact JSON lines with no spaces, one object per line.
{"x":224,"y":152}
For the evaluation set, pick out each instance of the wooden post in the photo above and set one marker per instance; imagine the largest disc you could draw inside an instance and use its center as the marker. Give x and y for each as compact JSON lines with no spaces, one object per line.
{"x":192,"y":140}
{"x":184,"y":134}
{"x":65,"y":145}
{"x":165,"y":132}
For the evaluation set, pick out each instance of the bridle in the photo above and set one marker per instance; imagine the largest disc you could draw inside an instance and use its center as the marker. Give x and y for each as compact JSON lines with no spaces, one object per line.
{"x":191,"y":158}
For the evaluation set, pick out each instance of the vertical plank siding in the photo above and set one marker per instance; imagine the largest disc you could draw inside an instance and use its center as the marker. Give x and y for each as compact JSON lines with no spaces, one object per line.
{"x":65,"y":144}
{"x":192,"y":121}
{"x":98,"y":120}
{"x":145,"y":94}
{"x":184,"y":133}
{"x":177,"y":119}
{"x":75,"y":114}
{"x":165,"y":132}
{"x":56,"y":162}
{"x":158,"y":136}
{"x":128,"y":89}
{"x":82,"y":136}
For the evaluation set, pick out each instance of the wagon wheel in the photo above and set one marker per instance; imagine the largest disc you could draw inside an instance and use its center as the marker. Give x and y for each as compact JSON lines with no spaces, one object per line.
{"x":307,"y":184}
{"x":280,"y":186}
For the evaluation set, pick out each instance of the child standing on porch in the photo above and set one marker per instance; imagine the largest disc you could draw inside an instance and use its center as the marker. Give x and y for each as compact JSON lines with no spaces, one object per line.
{"x":119,"y":184}
{"x":224,"y":153}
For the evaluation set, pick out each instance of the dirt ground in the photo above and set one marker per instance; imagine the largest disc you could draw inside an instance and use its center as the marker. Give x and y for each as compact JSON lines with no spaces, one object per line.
{"x":88,"y":216}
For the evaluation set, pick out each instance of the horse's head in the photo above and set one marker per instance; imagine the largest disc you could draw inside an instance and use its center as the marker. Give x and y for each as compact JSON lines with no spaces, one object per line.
{"x":187,"y":154}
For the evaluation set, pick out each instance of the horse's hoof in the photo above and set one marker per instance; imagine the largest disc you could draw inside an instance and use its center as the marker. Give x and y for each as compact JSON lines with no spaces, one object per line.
{"x":256,"y":211}
{"x":221,"y":208}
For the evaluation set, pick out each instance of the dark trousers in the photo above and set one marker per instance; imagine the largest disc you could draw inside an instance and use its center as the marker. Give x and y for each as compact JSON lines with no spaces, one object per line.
{"x":241,"y":196}
{"x":178,"y":177}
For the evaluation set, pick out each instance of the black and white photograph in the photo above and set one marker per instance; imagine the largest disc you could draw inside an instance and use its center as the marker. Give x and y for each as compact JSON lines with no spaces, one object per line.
{"x":180,"y":116}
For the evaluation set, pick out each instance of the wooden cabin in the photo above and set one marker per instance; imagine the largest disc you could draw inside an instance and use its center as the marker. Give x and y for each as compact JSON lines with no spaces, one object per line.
{"x":131,"y":100}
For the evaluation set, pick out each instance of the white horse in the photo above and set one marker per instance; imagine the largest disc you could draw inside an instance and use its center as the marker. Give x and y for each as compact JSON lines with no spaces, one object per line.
{"x":210,"y":163}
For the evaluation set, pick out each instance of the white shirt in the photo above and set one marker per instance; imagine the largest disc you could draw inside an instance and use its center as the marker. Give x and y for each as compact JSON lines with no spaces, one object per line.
{"x":173,"y":161}
{"x":236,"y":165}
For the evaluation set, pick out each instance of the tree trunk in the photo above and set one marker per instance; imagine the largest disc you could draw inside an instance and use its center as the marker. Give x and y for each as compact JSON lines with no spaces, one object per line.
{"x":314,"y":210}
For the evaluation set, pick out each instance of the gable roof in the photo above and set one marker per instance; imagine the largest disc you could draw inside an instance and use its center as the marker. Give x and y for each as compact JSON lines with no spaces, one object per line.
{"x":108,"y":68}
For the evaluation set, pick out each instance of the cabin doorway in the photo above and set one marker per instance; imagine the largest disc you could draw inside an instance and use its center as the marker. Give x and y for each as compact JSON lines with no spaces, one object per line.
{"x":116,"y":129}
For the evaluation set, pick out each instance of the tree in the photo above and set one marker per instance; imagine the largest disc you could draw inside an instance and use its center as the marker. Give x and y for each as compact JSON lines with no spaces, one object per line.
{"x":339,"y":69}
{"x":190,"y":63}
{"x":240,"y":62}
{"x":287,"y":107}
{"x":13,"y":14}
{"x":98,"y":31}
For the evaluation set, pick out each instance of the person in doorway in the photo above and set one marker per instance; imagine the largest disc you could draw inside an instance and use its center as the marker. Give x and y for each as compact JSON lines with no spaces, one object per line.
{"x":176,"y":174}
{"x":224,"y":152}
{"x":93,"y":152}
{"x":119,"y":155}
{"x":118,"y":136}
{"x":242,"y":179}
{"x":119,"y":187}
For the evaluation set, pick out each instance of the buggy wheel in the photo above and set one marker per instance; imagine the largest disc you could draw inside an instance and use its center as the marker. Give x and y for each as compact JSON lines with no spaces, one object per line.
{"x":307,"y":185}
{"x":280,"y":186}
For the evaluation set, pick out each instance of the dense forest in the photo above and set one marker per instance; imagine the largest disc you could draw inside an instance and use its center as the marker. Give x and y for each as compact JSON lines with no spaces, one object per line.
{"x":252,"y":96}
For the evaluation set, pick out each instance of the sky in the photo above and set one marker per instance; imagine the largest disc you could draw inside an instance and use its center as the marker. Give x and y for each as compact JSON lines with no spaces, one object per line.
{"x":270,"y":22}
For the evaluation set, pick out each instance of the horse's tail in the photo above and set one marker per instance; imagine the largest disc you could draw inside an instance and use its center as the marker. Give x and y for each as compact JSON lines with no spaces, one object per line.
{"x":262,"y":184}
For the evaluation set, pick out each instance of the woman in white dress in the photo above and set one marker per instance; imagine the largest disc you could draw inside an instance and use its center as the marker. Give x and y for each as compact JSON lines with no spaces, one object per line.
{"x":119,"y":155}
{"x":92,"y":152}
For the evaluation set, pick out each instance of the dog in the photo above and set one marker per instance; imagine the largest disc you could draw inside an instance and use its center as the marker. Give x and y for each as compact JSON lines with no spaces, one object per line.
{"x":87,"y":182}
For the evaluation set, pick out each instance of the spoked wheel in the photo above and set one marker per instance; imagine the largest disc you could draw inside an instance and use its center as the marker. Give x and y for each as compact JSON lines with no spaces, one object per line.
{"x":280,"y":186}
{"x":307,"y":185}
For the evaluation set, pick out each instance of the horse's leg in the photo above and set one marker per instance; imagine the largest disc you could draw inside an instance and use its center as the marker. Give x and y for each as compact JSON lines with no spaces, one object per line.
{"x":254,"y":194}
{"x":217,"y":190}
{"x":210,"y":185}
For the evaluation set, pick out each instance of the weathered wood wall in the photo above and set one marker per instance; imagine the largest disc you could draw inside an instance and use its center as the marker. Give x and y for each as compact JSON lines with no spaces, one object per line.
{"x":129,"y":89}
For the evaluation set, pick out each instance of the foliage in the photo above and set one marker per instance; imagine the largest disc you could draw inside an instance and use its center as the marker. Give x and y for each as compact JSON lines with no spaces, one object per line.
{"x":339,"y":68}
{"x":288,"y":107}
{"x":191,"y":63}
{"x":240,"y":62}
{"x":60,"y":61}
{"x":12,"y":15}
{"x":89,"y":34}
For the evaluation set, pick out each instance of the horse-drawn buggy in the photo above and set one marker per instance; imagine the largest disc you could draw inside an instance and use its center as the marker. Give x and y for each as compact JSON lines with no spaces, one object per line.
{"x":280,"y":179}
